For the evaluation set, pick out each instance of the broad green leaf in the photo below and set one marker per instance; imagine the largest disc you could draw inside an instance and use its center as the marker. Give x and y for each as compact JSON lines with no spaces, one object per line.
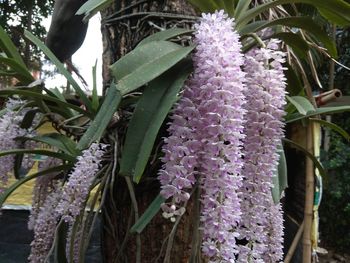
{"x":280,"y":181}
{"x":9,"y":48}
{"x":241,"y":8}
{"x":335,"y":9}
{"x":57,"y":155}
{"x":59,"y":141}
{"x":91,"y":7}
{"x":102,"y":119}
{"x":145,"y":63}
{"x":303,"y":22}
{"x":302,"y":104}
{"x":61,"y":69}
{"x":95,"y":99}
{"x":333,"y":126}
{"x":21,"y":72}
{"x":308,"y":154}
{"x":13,"y":187}
{"x":150,"y":112}
{"x":148,"y":215}
{"x":318,"y":111}
{"x":295,"y":41}
{"x":39,"y":96}
{"x":165,"y":35}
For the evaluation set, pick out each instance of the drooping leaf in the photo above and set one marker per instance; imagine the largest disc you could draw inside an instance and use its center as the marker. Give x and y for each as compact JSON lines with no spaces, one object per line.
{"x":91,"y":7}
{"x":147,"y":216}
{"x":20,"y":71}
{"x":150,"y":112}
{"x":102,"y":119}
{"x":241,"y":8}
{"x":302,"y":104}
{"x":165,"y":35}
{"x":280,"y":181}
{"x":336,"y":10}
{"x":57,"y":155}
{"x":333,"y":127}
{"x":294,"y":85}
{"x":303,"y":22}
{"x":61,"y":69}
{"x":38,"y":96}
{"x":295,"y":41}
{"x":59,"y":141}
{"x":145,"y":63}
{"x":308,"y":154}
{"x":13,"y":187}
{"x":318,"y":111}
{"x":9,"y":48}
{"x":229,"y":7}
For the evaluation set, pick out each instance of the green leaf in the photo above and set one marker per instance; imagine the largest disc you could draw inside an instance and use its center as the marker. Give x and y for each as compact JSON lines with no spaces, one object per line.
{"x":61,"y":69}
{"x":241,"y":8}
{"x":95,"y":99}
{"x":148,"y":215}
{"x":308,"y":154}
{"x":9,"y":48}
{"x":149,"y":114}
{"x":302,"y":104}
{"x":333,"y":126}
{"x":165,"y":35}
{"x":145,"y":63}
{"x":60,"y":242}
{"x":336,"y":9}
{"x":45,"y":98}
{"x":318,"y":111}
{"x":91,"y":7}
{"x":294,"y":85}
{"x":40,"y":152}
{"x":20,"y":71}
{"x":17,"y":184}
{"x":303,"y":22}
{"x":229,"y":7}
{"x":204,"y":5}
{"x":102,"y":119}
{"x":28,"y":119}
{"x":295,"y":41}
{"x":280,"y":181}
{"x":59,"y":141}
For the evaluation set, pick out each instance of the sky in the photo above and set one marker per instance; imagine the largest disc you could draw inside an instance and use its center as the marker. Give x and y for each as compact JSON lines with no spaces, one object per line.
{"x":84,"y":59}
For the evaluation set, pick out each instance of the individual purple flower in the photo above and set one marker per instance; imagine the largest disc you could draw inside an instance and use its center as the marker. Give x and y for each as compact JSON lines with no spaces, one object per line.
{"x":205,"y":137}
{"x":44,"y":228}
{"x":77,"y":188}
{"x":44,"y":185}
{"x":9,"y":130}
{"x":261,"y":223}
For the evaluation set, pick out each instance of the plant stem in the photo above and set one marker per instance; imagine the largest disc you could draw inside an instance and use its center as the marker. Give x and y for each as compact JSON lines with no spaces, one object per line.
{"x":294,"y":244}
{"x":309,"y":198}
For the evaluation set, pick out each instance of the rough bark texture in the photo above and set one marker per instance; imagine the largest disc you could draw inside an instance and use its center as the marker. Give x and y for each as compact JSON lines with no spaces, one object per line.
{"x":124,"y":25}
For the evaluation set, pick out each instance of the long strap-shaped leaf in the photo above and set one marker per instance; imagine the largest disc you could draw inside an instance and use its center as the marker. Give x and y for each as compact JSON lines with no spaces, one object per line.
{"x":21,"y":71}
{"x":61,"y":69}
{"x":337,"y":11}
{"x":62,"y":156}
{"x":17,"y":184}
{"x":102,"y":119}
{"x":9,"y":48}
{"x":149,"y":114}
{"x":145,"y":63}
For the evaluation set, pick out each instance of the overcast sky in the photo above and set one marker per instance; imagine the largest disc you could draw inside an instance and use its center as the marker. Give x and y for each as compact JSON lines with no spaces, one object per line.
{"x":84,"y":59}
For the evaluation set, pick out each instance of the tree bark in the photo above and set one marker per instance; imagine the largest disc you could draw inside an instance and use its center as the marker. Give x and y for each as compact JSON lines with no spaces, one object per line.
{"x":124,"y":25}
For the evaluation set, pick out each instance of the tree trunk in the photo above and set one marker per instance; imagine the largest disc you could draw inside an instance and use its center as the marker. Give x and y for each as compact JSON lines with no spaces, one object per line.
{"x":124,"y":25}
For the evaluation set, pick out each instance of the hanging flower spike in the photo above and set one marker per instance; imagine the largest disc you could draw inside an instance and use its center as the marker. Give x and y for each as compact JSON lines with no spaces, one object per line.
{"x":9,"y":130}
{"x":262,"y":224}
{"x":44,"y":228}
{"x":76,"y":190}
{"x":44,"y":185}
{"x":219,"y":82}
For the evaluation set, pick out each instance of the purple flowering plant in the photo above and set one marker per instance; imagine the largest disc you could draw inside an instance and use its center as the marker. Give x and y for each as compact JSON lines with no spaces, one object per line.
{"x":202,"y":123}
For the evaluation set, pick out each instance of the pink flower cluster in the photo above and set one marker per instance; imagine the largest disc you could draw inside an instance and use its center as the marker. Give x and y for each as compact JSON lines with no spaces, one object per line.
{"x":223,"y":137}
